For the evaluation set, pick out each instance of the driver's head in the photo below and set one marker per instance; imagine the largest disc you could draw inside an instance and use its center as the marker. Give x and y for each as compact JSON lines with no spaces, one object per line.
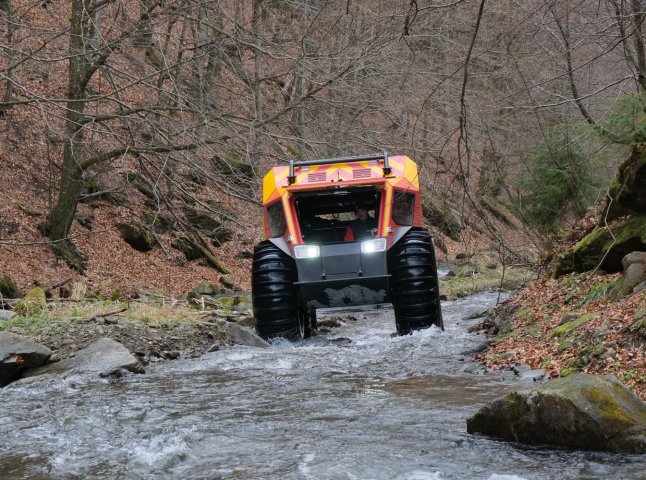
{"x":361,"y":212}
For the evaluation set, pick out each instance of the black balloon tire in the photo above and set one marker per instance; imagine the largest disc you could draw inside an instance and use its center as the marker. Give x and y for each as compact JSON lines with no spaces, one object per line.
{"x":273,"y":294}
{"x":414,"y":283}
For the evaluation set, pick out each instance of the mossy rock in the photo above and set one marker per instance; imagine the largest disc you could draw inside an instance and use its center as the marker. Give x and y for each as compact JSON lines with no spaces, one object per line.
{"x":232,"y":166}
{"x":209,"y":226}
{"x":242,"y":300}
{"x":8,"y":288}
{"x":92,"y":191}
{"x":581,"y":411}
{"x":201,"y":220}
{"x":206,"y":289}
{"x":158,"y":222}
{"x":140,"y":183}
{"x":639,"y":325}
{"x":600,"y":249}
{"x":227,"y":282}
{"x":572,"y":325}
{"x":84,"y":220}
{"x":227,"y":301}
{"x":628,"y":188}
{"x":137,"y":236}
{"x":185,"y":245}
{"x":32,"y":304}
{"x":194,"y":249}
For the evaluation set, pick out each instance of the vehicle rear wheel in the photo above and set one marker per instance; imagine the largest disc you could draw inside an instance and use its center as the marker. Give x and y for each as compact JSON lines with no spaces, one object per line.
{"x":414,"y":284}
{"x":273,"y":293}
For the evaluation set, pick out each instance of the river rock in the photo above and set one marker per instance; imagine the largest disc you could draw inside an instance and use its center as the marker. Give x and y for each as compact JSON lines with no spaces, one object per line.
{"x":243,"y":336}
{"x":18,"y":353}
{"x":6,"y":315}
{"x":105,"y":357}
{"x":582,"y":411}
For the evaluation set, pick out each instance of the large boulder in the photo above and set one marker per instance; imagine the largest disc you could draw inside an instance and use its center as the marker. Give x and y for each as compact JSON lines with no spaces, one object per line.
{"x":105,"y":357}
{"x":209,"y":226}
{"x":18,"y":353}
{"x":137,"y":236}
{"x":627,"y":193}
{"x":243,"y":336}
{"x":605,"y":247}
{"x":581,"y":411}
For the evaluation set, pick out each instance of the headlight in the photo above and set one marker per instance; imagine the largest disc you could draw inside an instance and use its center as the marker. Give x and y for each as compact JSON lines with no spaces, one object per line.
{"x":371,"y":246}
{"x":307,"y":251}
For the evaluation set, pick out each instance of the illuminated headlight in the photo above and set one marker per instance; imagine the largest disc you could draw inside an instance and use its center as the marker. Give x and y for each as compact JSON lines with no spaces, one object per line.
{"x":307,"y":251}
{"x":371,"y":246}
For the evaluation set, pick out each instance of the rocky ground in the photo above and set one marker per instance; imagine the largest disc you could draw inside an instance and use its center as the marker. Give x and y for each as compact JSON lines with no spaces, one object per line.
{"x":148,"y":343}
{"x":151,"y":329}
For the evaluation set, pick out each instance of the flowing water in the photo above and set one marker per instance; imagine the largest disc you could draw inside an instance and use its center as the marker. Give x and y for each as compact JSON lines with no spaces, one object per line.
{"x":376,"y":406}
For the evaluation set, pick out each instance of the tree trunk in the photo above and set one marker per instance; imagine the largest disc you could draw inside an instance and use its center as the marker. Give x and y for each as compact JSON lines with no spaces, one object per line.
{"x":6,"y":11}
{"x":60,"y":218}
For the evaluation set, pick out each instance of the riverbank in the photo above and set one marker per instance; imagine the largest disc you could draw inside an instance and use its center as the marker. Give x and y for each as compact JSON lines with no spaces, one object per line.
{"x":571,"y":324}
{"x":151,"y":328}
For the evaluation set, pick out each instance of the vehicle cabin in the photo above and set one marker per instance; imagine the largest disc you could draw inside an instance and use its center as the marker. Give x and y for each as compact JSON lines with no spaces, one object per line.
{"x":315,"y":203}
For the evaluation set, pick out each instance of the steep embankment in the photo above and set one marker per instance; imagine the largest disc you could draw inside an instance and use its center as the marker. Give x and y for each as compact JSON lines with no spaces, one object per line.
{"x":588,"y":318}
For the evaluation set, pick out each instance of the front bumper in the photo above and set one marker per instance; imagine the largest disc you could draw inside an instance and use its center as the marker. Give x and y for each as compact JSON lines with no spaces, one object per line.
{"x":343,"y":276}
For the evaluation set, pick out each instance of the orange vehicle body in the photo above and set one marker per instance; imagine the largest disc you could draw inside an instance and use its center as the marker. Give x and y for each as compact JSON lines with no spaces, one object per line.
{"x":401,"y":176}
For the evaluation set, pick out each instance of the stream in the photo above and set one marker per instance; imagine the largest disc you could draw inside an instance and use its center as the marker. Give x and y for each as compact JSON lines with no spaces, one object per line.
{"x":354,"y":403}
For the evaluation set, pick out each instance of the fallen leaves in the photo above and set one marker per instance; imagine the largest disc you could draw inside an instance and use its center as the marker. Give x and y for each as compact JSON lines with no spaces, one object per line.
{"x":602,"y":345}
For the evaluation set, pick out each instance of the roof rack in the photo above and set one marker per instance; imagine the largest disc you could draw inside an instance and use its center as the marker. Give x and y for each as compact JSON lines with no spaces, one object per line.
{"x":291,"y":179}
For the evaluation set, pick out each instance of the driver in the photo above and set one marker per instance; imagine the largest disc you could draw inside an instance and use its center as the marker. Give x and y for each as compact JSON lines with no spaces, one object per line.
{"x":364,"y":226}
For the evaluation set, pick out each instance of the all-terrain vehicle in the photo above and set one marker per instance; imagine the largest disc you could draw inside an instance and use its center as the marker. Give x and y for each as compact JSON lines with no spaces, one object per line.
{"x":318,"y":255}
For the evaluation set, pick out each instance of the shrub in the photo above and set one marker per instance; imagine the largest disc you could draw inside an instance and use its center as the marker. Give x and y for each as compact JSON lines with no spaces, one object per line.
{"x":558,"y":183}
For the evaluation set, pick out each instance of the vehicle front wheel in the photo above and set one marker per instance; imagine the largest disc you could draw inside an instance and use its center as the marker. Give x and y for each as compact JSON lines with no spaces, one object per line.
{"x":414,"y":284}
{"x":273,"y":293}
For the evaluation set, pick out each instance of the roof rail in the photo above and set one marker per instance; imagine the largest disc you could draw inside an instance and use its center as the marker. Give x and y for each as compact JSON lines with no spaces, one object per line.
{"x":291,"y":179}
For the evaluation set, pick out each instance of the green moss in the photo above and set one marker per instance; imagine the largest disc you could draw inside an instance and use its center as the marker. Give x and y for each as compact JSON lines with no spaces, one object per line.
{"x":137,"y":181}
{"x":568,"y":327}
{"x":591,"y":350}
{"x":293,"y":151}
{"x":547,"y":361}
{"x":524,"y":314}
{"x":227,"y":302}
{"x":8,"y":288}
{"x":34,"y":303}
{"x":564,"y":345}
{"x":600,"y":290}
{"x":605,"y":401}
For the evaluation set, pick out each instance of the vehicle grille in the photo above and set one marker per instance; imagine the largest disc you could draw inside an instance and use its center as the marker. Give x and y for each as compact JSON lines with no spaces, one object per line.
{"x":317,"y":177}
{"x":361,"y":173}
